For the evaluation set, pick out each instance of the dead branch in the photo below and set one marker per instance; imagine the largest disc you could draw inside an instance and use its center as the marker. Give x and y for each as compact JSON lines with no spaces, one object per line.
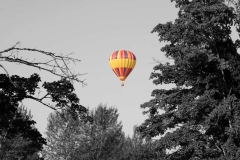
{"x":55,"y":64}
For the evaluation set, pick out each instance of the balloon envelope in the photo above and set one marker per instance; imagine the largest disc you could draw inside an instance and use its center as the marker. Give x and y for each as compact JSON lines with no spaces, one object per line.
{"x":122,"y":63}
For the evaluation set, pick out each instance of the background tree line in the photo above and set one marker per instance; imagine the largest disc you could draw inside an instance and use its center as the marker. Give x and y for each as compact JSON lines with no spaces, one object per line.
{"x":101,"y":140}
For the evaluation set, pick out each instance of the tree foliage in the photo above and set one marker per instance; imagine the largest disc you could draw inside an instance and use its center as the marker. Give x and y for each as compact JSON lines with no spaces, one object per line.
{"x":138,"y":148}
{"x":106,"y":133}
{"x":72,"y":139}
{"x":203,"y":108}
{"x":61,"y":93}
{"x":16,"y":127}
{"x":62,"y":136}
{"x":19,"y":139}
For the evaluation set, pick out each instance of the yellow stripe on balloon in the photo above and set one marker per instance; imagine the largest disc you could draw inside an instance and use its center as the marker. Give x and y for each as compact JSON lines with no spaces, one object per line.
{"x":125,"y":63}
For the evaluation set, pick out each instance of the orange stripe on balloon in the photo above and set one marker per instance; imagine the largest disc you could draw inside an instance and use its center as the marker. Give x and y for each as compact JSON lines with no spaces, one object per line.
{"x":120,"y":54}
{"x":131,"y":55}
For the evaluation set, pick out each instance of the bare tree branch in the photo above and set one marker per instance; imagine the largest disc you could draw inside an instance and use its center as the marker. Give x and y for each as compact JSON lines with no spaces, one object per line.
{"x":56,"y":64}
{"x":40,"y":101}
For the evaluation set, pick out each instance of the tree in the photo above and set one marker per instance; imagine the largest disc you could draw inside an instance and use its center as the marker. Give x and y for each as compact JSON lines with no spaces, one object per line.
{"x":19,"y":139}
{"x":12,"y":122}
{"x":202,"y":110}
{"x":14,"y":89}
{"x":63,"y":136}
{"x":106,"y":133}
{"x":138,"y":148}
{"x":72,"y":139}
{"x":60,"y":91}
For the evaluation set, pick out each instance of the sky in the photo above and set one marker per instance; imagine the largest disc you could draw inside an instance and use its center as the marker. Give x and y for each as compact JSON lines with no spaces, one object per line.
{"x":92,"y":30}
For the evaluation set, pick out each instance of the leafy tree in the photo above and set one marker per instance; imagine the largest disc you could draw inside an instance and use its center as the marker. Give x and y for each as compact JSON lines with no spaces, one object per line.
{"x":106,"y":133}
{"x":60,"y":92}
{"x":72,"y":139}
{"x":14,"y":89}
{"x":12,"y":122}
{"x":138,"y":148}
{"x":203,"y":109}
{"x":63,"y":136}
{"x":19,"y":139}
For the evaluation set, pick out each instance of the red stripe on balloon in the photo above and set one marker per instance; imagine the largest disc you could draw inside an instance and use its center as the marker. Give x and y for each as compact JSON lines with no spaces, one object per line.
{"x":115,"y":54}
{"x":122,"y":53}
{"x":116,"y":70}
{"x":125,"y":54}
{"x":129,"y":70}
{"x":122,"y":71}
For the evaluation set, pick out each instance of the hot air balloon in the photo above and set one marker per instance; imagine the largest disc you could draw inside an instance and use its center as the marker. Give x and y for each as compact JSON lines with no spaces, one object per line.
{"x":122,"y":63}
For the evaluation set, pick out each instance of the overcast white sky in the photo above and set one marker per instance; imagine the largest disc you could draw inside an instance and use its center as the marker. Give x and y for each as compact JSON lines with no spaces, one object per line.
{"x":92,"y":29}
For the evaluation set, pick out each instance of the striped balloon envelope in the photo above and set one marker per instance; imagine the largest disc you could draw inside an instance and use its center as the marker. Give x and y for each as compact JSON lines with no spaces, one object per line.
{"x":122,"y":63}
